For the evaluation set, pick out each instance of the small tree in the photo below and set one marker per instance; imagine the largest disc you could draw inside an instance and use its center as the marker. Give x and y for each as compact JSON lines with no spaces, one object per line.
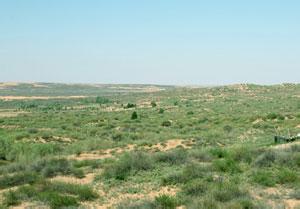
{"x":130,"y":105}
{"x":5,"y":147}
{"x":153,"y":104}
{"x":161,"y":111}
{"x":134,"y":115}
{"x":166,"y":123}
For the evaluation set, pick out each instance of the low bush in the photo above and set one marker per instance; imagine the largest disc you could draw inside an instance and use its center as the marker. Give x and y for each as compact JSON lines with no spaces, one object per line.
{"x":166,"y":123}
{"x":285,"y":175}
{"x":173,"y":157}
{"x":54,"y":167}
{"x":18,"y":179}
{"x":219,"y":152}
{"x":166,"y":202}
{"x":226,"y":165}
{"x":196,"y":187}
{"x":134,"y":115}
{"x":226,"y":191}
{"x":127,"y":165}
{"x":266,"y":159}
{"x":55,"y":194}
{"x":264,"y":177}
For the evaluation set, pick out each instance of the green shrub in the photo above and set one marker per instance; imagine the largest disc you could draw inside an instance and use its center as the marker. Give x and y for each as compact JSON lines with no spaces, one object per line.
{"x":226,"y":165}
{"x":265,"y":178}
{"x":227,"y":128}
{"x":5,"y":147}
{"x":219,"y":152}
{"x":195,"y":187}
{"x":57,"y":201}
{"x":166,"y":202}
{"x":195,"y":170}
{"x":173,"y":178}
{"x":127,"y":165}
{"x":83,"y":192}
{"x":177,"y":156}
{"x":102,"y":100}
{"x":32,"y":130}
{"x":266,"y":159}
{"x":11,"y":198}
{"x":134,"y":115}
{"x":243,"y":153}
{"x":55,"y":194}
{"x":130,"y":105}
{"x":201,"y":155}
{"x":153,"y":104}
{"x":18,"y":179}
{"x":226,"y":191}
{"x":166,"y":123}
{"x":285,"y":175}
{"x":161,"y":111}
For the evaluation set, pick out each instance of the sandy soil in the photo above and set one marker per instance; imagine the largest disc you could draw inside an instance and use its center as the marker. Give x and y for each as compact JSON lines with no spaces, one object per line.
{"x":73,"y":180}
{"x":108,"y":153}
{"x":285,"y":146}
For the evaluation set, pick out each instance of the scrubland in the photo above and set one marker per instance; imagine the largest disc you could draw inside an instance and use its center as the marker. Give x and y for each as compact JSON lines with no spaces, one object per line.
{"x":142,"y":146}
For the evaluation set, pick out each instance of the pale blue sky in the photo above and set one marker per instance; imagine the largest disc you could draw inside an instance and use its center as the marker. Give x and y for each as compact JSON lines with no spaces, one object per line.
{"x":150,"y":41}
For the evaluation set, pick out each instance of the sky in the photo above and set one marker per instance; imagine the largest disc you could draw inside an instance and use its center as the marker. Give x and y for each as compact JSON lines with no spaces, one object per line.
{"x":183,"y":42}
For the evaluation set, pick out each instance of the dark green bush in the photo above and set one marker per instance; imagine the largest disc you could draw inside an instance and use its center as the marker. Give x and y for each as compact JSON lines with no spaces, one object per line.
{"x":153,"y":104}
{"x":219,"y":152}
{"x":161,"y":111}
{"x":130,"y":105}
{"x":5,"y":147}
{"x":54,"y":167}
{"x":102,"y":100}
{"x":134,"y":115}
{"x":226,"y":165}
{"x":166,"y":123}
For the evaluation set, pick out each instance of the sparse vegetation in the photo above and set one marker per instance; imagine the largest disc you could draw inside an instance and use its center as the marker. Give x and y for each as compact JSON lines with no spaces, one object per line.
{"x":68,"y":152}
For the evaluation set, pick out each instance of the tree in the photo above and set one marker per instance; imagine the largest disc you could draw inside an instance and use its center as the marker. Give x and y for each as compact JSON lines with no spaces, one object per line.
{"x":153,"y":104}
{"x":134,"y":115}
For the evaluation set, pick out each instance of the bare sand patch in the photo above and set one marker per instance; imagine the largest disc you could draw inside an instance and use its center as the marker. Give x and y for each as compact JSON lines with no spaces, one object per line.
{"x":286,"y":146}
{"x":171,"y":144}
{"x":73,"y":180}
{"x":8,"y":113}
{"x":115,"y":197}
{"x":10,"y":126}
{"x":103,"y":154}
{"x":292,"y":204}
{"x":275,"y":196}
{"x":30,"y":205}
{"x":258,"y":120}
{"x":109,"y":153}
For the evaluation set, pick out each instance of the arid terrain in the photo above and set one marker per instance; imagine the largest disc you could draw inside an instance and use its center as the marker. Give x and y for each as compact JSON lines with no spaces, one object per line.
{"x":147,"y":146}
